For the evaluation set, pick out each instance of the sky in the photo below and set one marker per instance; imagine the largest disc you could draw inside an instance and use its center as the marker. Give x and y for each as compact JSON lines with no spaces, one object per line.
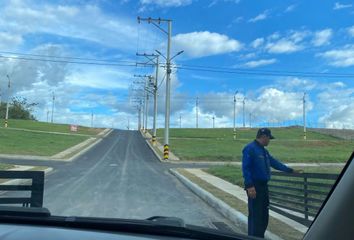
{"x":268,"y":55}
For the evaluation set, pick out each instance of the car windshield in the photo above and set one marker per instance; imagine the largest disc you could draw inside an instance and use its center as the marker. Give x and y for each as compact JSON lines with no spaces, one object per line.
{"x":134,"y":109}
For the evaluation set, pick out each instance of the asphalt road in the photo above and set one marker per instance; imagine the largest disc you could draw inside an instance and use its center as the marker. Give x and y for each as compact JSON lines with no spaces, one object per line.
{"x":121,"y":177}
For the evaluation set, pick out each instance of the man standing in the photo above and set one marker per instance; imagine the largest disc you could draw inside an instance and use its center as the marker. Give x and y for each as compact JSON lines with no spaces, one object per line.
{"x":256,"y":163}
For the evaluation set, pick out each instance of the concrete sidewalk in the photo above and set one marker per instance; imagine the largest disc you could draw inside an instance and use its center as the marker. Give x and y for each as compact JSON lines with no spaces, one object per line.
{"x":235,"y":215}
{"x":240,"y":193}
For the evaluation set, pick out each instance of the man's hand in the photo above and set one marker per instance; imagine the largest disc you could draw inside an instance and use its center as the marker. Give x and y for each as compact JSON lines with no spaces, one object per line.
{"x":251,"y":192}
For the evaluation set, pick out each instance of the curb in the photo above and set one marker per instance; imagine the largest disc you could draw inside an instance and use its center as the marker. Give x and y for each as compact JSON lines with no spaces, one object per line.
{"x":84,"y":150}
{"x":155,"y":151}
{"x":236,"y":217}
{"x":152,"y":148}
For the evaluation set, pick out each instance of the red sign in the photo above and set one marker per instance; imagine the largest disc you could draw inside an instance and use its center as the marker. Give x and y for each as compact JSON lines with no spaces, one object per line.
{"x":73,"y":128}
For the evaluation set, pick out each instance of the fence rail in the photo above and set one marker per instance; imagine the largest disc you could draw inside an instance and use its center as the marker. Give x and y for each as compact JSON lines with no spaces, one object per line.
{"x":34,"y":185}
{"x":299,"y":196}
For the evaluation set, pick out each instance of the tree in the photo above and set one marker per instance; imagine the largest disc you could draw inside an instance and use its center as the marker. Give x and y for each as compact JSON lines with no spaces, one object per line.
{"x":18,"y":109}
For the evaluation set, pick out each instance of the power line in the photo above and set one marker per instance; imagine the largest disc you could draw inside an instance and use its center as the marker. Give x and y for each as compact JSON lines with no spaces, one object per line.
{"x":66,"y":61}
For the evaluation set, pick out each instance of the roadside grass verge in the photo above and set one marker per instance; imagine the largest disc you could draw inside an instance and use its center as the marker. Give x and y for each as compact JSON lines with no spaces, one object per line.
{"x":4,"y":166}
{"x":289,"y":146}
{"x":51,"y":127}
{"x":233,"y":174}
{"x":34,"y":143}
{"x":275,"y":226}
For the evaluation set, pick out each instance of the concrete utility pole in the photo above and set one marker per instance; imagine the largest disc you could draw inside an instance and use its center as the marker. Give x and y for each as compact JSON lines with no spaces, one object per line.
{"x":196,"y":112}
{"x":156,"y":22}
{"x":91,"y":119}
{"x":304,"y":113}
{"x":146,"y":107}
{"x":53,"y":108}
{"x":153,"y":59}
{"x":250,"y":119}
{"x":8,"y":100}
{"x":213,"y":121}
{"x":146,"y":97}
{"x":243,"y":112}
{"x":235,"y":133}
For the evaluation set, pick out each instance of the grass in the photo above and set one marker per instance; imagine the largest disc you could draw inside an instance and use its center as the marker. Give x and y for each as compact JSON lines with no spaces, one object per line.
{"x":289,"y":146}
{"x":4,"y":166}
{"x":275,"y":226}
{"x":233,"y":174}
{"x":34,"y":143}
{"x":50,"y":127}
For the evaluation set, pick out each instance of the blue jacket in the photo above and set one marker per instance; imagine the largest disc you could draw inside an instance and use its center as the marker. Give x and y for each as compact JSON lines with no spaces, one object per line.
{"x":256,"y":163}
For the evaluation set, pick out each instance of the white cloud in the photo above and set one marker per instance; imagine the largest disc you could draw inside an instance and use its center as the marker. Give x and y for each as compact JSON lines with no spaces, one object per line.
{"x":283,"y":46}
{"x":257,"y":43}
{"x":337,"y":102}
{"x":200,"y":44}
{"x":10,"y":40}
{"x":296,"y":84}
{"x":102,"y":78}
{"x":259,"y":17}
{"x":338,"y":6}
{"x":351,"y":31}
{"x":341,"y":117}
{"x":290,"y":8}
{"x":322,"y":37}
{"x":292,"y":42}
{"x":166,"y":3}
{"x":343,"y":57}
{"x":259,"y":63}
{"x":86,"y":22}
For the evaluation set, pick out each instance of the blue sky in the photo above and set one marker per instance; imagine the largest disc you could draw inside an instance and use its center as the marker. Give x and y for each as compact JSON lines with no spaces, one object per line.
{"x":271,"y":52}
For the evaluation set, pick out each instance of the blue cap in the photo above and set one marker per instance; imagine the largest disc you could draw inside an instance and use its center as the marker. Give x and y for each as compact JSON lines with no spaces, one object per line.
{"x":265,"y":132}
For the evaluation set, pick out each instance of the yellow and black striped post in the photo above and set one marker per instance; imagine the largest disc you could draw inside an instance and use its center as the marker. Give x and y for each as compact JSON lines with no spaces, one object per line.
{"x":165,"y":152}
{"x":153,"y":140}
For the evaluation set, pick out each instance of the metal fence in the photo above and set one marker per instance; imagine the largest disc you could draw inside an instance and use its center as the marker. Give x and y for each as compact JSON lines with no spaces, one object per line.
{"x":299,"y":196}
{"x":32,"y":183}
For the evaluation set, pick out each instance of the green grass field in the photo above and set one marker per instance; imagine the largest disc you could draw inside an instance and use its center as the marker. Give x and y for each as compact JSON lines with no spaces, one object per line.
{"x":37,"y":143}
{"x":289,"y":146}
{"x":34,"y":143}
{"x":233,"y":174}
{"x":50,"y":127}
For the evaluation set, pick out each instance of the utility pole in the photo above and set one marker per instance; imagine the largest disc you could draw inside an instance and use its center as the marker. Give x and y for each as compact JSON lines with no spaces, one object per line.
{"x":91,"y":119}
{"x":213,"y":121}
{"x":48,"y":115}
{"x":235,"y":133}
{"x":250,"y":118}
{"x":146,"y":108}
{"x":53,"y":107}
{"x":243,"y":112}
{"x":157,"y":22}
{"x":153,"y":59}
{"x":304,"y":113}
{"x":196,"y":112}
{"x":128,"y":124}
{"x":8,"y":100}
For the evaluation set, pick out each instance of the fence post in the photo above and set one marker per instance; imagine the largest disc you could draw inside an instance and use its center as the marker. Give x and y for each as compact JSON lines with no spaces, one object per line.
{"x":305,"y":198}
